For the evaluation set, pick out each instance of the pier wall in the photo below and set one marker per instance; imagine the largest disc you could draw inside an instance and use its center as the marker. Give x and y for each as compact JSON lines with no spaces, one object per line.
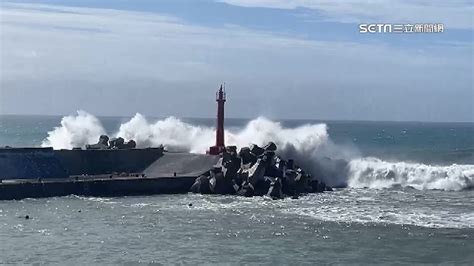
{"x":34,"y":163}
{"x":44,"y":172}
{"x":103,"y":187}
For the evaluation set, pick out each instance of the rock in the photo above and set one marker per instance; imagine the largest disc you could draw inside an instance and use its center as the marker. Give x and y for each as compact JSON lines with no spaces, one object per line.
{"x":196,"y":187}
{"x":102,"y":144}
{"x":290,"y":164}
{"x":246,"y":156}
{"x":275,"y":190}
{"x":321,"y":187}
{"x":231,"y":165}
{"x":247,"y":190}
{"x":219,"y":184}
{"x":270,"y":147}
{"x":295,"y":183}
{"x":325,"y":187}
{"x":201,"y":185}
{"x":273,"y":171}
{"x":313,"y":184}
{"x":280,"y":164}
{"x":243,"y":173}
{"x":263,"y":185}
{"x":119,"y":143}
{"x":288,"y":182}
{"x":231,"y":149}
{"x":256,"y":172}
{"x":116,"y":143}
{"x":131,"y":144}
{"x":269,"y":156}
{"x":301,"y":182}
{"x":256,"y":150}
{"x":103,"y":139}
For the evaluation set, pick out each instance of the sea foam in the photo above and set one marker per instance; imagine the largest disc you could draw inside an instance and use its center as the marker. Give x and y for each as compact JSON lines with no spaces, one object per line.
{"x":375,"y":173}
{"x":75,"y":131}
{"x":310,"y":145}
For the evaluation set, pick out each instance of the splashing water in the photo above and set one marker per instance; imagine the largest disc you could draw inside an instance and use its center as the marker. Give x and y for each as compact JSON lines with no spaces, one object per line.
{"x":75,"y":131}
{"x":310,"y":146}
{"x":174,"y":134}
{"x":375,"y":173}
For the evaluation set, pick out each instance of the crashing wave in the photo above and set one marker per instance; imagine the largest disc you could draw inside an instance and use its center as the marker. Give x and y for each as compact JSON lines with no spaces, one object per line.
{"x":75,"y":131}
{"x":310,"y":145}
{"x":375,"y":173}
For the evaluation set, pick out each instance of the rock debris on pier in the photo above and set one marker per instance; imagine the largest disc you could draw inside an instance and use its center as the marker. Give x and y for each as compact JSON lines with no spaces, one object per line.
{"x":114,"y":143}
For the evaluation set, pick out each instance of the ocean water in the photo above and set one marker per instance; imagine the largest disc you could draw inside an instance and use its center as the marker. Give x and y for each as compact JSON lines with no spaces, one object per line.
{"x":406,"y":197}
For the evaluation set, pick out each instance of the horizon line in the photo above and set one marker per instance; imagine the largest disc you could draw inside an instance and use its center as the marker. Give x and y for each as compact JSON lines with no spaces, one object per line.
{"x":250,"y":118}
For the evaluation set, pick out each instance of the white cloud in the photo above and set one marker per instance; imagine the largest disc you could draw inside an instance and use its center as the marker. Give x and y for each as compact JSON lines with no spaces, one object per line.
{"x":454,"y":14}
{"x":119,"y":62}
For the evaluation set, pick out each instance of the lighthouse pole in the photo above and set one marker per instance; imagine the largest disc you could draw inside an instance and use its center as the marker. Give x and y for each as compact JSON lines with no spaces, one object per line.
{"x":219,"y":147}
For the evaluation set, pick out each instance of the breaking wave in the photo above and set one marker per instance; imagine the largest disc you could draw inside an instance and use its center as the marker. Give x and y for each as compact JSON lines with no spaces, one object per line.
{"x":310,"y":146}
{"x":75,"y":131}
{"x":375,"y":173}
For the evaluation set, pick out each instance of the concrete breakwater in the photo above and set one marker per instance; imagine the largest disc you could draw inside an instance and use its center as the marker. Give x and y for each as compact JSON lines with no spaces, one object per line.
{"x":34,"y":163}
{"x":254,"y":171}
{"x":44,"y":172}
{"x":97,"y":186}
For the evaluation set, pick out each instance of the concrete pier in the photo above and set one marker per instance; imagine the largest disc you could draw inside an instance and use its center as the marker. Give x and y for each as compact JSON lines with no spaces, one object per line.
{"x":44,"y":172}
{"x":98,"y":186}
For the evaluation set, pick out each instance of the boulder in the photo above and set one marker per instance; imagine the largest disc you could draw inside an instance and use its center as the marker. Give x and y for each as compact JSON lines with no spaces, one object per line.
{"x":271,"y":146}
{"x":302,"y":183}
{"x":313,"y":184}
{"x":201,"y":185}
{"x":290,"y":164}
{"x":247,"y":190}
{"x":246,"y":156}
{"x":269,"y":156}
{"x":116,"y":143}
{"x":275,"y":190}
{"x":256,"y":172}
{"x":231,"y":167}
{"x":273,"y":171}
{"x":262,"y":186}
{"x":280,"y":163}
{"x":102,"y":144}
{"x":231,"y":150}
{"x":256,"y":150}
{"x":131,"y":144}
{"x":104,"y":140}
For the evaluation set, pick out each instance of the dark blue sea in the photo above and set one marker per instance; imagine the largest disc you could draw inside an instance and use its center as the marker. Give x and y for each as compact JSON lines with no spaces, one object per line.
{"x":405,"y":197}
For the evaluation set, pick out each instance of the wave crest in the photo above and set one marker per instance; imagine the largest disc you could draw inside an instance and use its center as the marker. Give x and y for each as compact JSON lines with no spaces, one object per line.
{"x":309,"y":145}
{"x":375,"y":173}
{"x":75,"y":131}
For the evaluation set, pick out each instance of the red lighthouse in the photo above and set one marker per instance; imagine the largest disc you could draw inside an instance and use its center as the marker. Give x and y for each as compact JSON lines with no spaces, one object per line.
{"x":219,"y":147}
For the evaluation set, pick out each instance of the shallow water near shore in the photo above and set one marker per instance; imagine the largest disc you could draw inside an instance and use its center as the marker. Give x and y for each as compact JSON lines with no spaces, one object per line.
{"x":345,"y":226}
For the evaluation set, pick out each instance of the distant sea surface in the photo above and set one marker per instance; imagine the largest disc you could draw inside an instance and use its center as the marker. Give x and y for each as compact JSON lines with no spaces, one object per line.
{"x":440,"y":143}
{"x":408,"y":199}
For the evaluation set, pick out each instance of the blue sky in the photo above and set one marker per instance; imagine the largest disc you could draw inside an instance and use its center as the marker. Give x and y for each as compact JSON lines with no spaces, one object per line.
{"x":281,"y":59}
